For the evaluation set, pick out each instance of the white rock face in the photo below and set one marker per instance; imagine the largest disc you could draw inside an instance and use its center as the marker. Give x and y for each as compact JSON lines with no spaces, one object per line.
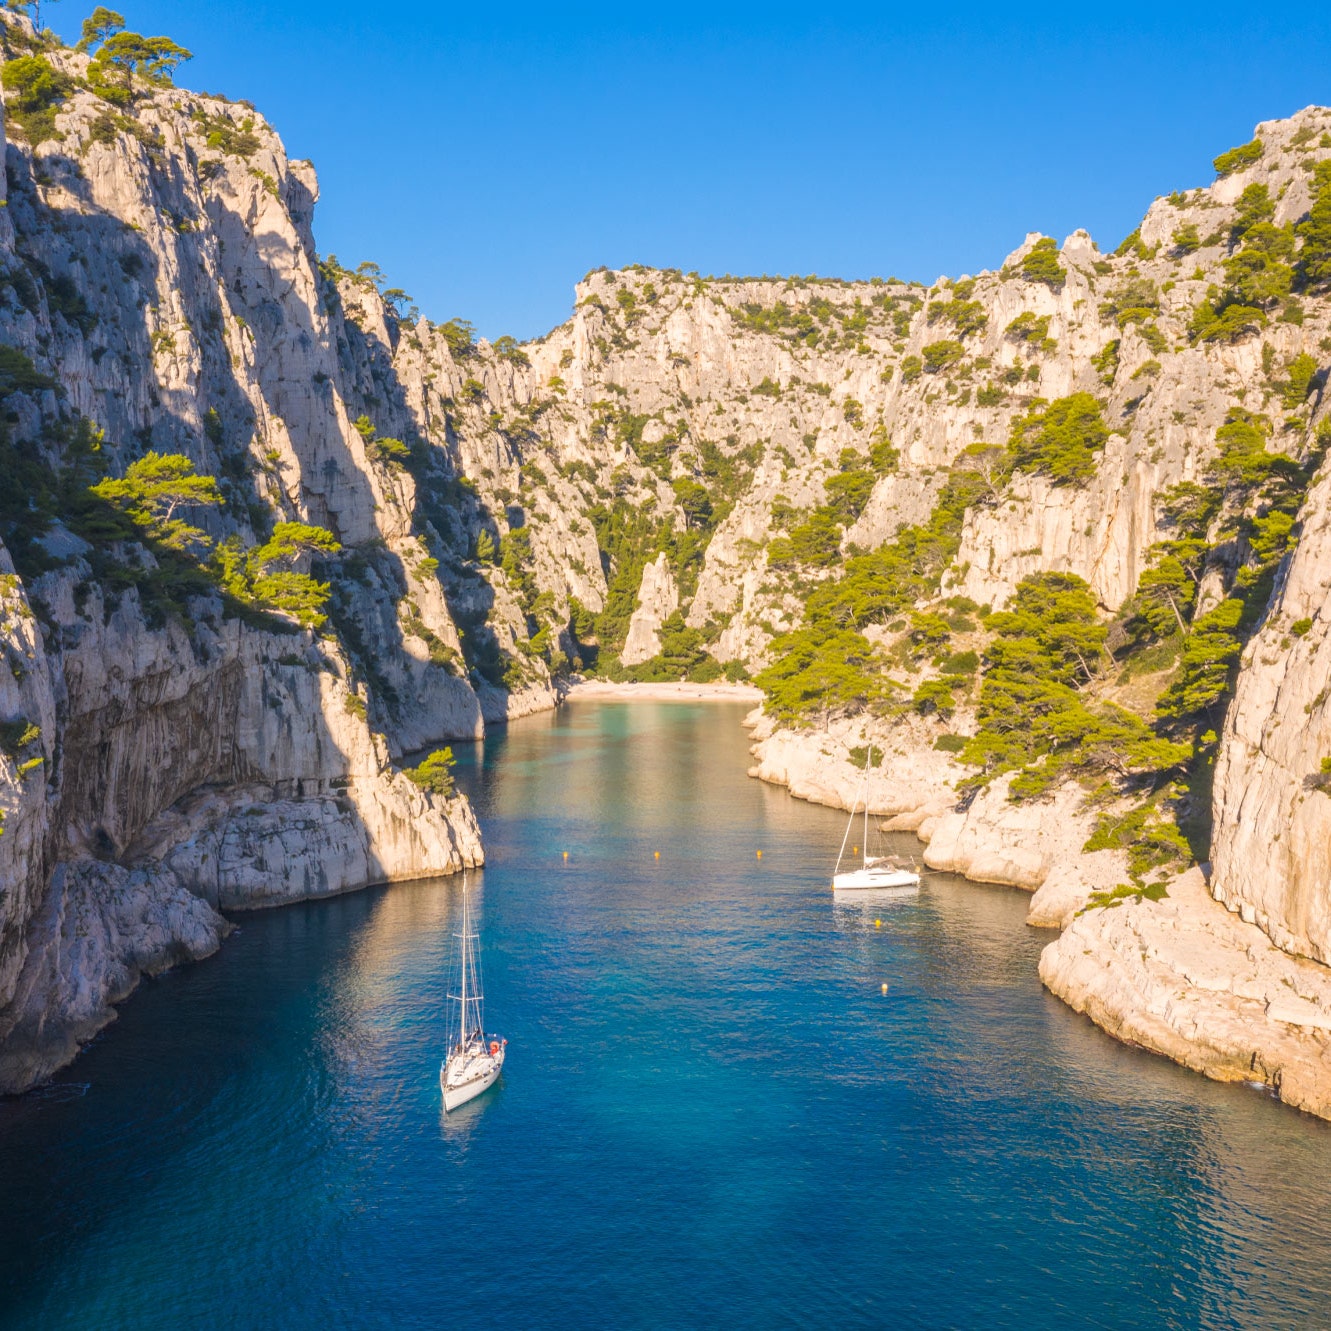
{"x":253,"y":849}
{"x":658,"y":599}
{"x":1271,"y":854}
{"x":1031,"y":844}
{"x":154,"y":729}
{"x":1189,"y":980}
{"x":909,"y":778}
{"x":160,"y":764}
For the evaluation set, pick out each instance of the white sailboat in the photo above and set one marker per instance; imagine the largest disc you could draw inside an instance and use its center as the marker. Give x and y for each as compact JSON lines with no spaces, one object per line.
{"x":475,"y":1059}
{"x":876,"y":873}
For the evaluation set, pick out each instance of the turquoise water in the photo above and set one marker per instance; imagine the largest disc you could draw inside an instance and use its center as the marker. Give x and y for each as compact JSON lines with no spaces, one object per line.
{"x":710,"y":1114}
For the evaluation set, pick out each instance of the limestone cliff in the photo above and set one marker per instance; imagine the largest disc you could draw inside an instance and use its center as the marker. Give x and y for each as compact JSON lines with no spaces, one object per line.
{"x":167,"y":753}
{"x":1272,"y":852}
{"x":669,"y":484}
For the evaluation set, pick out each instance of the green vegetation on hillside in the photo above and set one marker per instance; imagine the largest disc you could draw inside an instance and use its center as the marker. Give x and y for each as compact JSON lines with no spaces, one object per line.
{"x":827,"y":662}
{"x":1033,"y":716}
{"x":123,"y":57}
{"x":1041,"y":264}
{"x":967,"y":316}
{"x":1033,"y":330}
{"x":1238,"y":159}
{"x":1256,"y":494}
{"x":265,"y":576}
{"x":1059,"y":439}
{"x":1262,"y":269}
{"x":434,"y":773}
{"x":1315,"y":231}
{"x":142,"y":528}
{"x":37,"y":92}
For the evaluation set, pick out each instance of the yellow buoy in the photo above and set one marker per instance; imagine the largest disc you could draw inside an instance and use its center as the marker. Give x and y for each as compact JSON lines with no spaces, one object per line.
{"x":760,"y":854}
{"x":566,"y":854}
{"x":877,"y":924}
{"x":854,"y":850}
{"x":884,"y":988}
{"x":657,"y":854}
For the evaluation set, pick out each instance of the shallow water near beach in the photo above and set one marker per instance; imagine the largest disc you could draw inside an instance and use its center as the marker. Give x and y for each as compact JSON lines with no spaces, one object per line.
{"x":710,"y":1113}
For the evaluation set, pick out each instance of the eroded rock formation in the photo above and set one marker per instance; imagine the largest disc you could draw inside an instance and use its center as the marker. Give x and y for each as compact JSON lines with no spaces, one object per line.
{"x":503,"y":514}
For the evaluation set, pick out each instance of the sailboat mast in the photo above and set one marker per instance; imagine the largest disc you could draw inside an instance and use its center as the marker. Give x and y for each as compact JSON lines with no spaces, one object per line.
{"x":868,"y":767}
{"x":462,"y":1031}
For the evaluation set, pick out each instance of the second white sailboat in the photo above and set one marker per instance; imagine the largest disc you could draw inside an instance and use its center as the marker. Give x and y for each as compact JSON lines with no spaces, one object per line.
{"x":876,"y":872}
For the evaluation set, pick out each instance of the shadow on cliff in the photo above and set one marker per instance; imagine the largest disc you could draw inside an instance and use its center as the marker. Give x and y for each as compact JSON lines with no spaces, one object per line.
{"x":445,"y":510}
{"x":157,"y":717}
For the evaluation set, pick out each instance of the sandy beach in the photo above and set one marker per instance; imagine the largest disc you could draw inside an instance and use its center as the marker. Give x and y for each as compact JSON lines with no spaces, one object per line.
{"x":601,"y":690}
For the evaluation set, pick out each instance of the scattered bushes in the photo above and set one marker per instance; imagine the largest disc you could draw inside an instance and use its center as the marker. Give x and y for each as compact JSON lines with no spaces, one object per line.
{"x":1041,"y":264}
{"x":1133,"y":301}
{"x":38,"y":90}
{"x":942,"y":355}
{"x":1060,"y":440}
{"x":1187,"y":240}
{"x":19,"y":375}
{"x":1238,"y":159}
{"x":460,"y":337}
{"x":1032,"y":330}
{"x":967,"y":316}
{"x":223,"y":135}
{"x":1259,"y":275}
{"x":434,"y":773}
{"x":1314,"y":259}
{"x":1106,"y":361}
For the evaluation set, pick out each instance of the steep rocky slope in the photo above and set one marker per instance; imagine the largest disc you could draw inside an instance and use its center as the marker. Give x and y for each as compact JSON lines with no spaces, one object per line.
{"x":165,"y":751}
{"x":1009,"y":532}
{"x":750,"y":453}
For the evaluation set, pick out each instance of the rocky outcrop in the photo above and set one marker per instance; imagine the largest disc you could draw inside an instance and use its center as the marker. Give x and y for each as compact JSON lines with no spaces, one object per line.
{"x":1186,"y":978}
{"x":658,"y":599}
{"x":98,"y":929}
{"x":154,"y":816}
{"x":815,"y":765}
{"x":1034,"y":844}
{"x":253,"y":848}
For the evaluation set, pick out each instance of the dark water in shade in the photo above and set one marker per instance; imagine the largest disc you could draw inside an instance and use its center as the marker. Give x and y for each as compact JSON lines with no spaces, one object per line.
{"x":710,"y":1115}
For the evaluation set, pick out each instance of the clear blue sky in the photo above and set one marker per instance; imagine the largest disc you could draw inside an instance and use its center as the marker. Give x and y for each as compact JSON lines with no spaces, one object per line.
{"x":487,"y":156}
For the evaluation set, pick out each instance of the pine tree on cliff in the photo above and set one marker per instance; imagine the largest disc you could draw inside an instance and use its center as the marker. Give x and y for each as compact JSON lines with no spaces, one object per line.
{"x":98,"y":26}
{"x":122,"y":56}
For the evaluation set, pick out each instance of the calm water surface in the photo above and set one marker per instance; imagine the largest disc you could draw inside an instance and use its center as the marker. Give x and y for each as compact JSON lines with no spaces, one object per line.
{"x":710,"y":1114}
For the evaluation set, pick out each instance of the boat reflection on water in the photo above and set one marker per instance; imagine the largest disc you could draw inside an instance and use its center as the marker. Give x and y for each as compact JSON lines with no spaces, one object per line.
{"x":457,"y":1125}
{"x":866,"y":898}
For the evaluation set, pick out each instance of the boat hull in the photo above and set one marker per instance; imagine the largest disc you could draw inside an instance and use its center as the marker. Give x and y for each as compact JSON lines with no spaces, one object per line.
{"x":461,"y":1085}
{"x":875,"y":880}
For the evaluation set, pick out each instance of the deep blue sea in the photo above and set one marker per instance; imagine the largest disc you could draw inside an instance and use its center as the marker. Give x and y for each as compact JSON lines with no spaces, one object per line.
{"x":710,"y":1114}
